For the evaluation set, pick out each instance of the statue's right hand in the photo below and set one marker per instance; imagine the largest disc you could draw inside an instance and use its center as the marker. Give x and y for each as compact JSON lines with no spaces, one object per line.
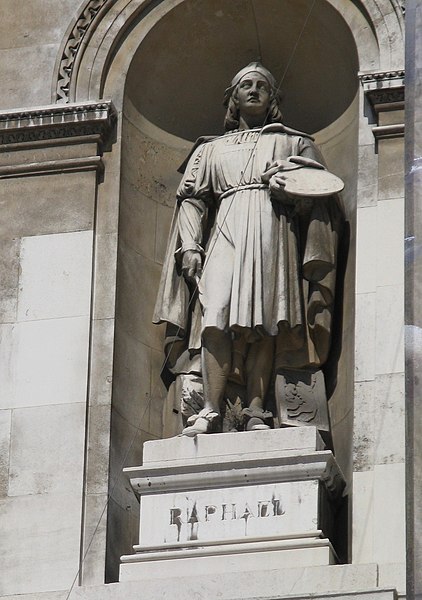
{"x":192,"y":265}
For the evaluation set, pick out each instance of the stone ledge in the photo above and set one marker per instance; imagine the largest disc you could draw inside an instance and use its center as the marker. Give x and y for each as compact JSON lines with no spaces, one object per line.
{"x":58,"y":122}
{"x":236,"y":459}
{"x":70,"y":165}
{"x":330,"y":581}
{"x":301,"y":466}
{"x":351,"y":582}
{"x":229,"y":446}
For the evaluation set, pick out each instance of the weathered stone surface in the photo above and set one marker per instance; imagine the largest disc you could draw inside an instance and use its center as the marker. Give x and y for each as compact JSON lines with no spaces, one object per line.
{"x":9,"y":278}
{"x":364,"y":435}
{"x":205,"y":590}
{"x":138,"y":217}
{"x":97,"y":457}
{"x":134,"y":271}
{"x":25,"y":60}
{"x":46,"y":458}
{"x":41,"y":596}
{"x":46,"y":204}
{"x":216,"y":564}
{"x":379,"y":422}
{"x":153,"y":168}
{"x":354,"y":582}
{"x":389,"y":242}
{"x":34,"y":528}
{"x":164,"y":216}
{"x":389,"y":349}
{"x":371,"y":537}
{"x":389,"y":544}
{"x":389,"y":421}
{"x":5,"y":438}
{"x":363,"y":541}
{"x":101,"y":375}
{"x":105,"y":275}
{"x":44,"y":362}
{"x":55,"y":276}
{"x":367,"y":192}
{"x":46,"y":151}
{"x":391,"y":168}
{"x":366,"y":252}
{"x":132,"y":377}
{"x":94,"y":544}
{"x":365,"y":349}
{"x":24,"y":25}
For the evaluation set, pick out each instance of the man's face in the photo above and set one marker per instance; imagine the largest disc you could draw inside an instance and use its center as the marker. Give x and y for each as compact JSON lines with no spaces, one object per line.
{"x":253,"y":95}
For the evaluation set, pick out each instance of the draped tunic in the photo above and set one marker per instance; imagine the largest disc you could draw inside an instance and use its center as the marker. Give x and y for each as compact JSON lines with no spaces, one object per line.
{"x":268,"y":270}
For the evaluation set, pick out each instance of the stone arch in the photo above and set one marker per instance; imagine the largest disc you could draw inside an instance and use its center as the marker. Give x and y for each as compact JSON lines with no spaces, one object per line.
{"x":106,"y":38}
{"x":104,"y":28}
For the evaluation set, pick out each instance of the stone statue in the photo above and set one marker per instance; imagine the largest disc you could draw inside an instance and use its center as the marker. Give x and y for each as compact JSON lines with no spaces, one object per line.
{"x":247,"y":289}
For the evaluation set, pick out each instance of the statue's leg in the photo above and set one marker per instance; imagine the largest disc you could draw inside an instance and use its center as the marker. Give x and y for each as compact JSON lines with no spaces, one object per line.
{"x":215,"y":289}
{"x":216,"y":366}
{"x":258,"y":368}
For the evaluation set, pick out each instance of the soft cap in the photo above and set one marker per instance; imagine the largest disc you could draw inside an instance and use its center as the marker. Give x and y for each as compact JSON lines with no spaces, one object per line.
{"x":253,"y":67}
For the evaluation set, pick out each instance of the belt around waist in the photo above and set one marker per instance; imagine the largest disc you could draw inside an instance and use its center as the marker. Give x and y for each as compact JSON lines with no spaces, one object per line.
{"x":250,"y":186}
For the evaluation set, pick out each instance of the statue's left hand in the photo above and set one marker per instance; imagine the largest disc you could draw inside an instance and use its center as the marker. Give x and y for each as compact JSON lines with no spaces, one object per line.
{"x":277,"y":184}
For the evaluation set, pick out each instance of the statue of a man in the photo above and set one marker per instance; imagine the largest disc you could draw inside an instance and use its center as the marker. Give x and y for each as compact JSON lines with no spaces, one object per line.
{"x":262,"y":259}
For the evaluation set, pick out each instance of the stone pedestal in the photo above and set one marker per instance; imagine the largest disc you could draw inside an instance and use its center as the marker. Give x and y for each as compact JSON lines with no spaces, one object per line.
{"x":235,"y":502}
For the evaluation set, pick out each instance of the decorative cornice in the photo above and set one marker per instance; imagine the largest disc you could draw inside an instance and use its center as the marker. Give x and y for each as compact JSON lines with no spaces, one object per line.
{"x":381,"y":77}
{"x":58,"y":122}
{"x":74,"y":40}
{"x":384,"y":90}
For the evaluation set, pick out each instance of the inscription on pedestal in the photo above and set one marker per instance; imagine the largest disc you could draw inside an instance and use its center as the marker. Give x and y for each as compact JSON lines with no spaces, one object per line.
{"x":212,"y":513}
{"x":283,"y":509}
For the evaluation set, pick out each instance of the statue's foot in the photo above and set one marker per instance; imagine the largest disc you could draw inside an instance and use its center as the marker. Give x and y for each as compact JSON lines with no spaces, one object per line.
{"x":207,"y":421}
{"x":257,"y":419}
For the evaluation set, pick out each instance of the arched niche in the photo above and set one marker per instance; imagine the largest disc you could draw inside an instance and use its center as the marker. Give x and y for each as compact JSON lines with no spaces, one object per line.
{"x":165,"y":66}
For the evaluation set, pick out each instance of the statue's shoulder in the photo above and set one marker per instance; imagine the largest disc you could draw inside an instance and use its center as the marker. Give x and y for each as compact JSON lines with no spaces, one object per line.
{"x":204,"y":139}
{"x":281,"y":128}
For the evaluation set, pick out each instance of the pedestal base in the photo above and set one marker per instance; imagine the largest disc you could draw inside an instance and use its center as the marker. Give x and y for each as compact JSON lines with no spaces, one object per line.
{"x":234,"y":503}
{"x":240,"y":557}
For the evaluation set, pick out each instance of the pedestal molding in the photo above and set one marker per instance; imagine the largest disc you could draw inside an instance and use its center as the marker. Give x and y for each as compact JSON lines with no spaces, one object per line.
{"x":226,"y":549}
{"x":318,"y":465}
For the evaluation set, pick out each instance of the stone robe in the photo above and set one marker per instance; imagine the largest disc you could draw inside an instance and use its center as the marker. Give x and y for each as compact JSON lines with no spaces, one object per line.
{"x":270,"y":266}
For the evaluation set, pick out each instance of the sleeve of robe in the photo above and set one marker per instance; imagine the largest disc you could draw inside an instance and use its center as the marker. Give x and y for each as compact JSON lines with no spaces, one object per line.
{"x":175,"y":304}
{"x":194,"y":196}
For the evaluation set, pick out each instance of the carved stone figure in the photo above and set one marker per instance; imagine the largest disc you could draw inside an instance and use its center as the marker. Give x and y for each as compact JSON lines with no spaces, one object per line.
{"x":247,"y":289}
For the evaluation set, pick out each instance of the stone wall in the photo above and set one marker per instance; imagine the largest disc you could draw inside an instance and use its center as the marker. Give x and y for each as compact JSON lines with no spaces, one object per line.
{"x":58,"y":249}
